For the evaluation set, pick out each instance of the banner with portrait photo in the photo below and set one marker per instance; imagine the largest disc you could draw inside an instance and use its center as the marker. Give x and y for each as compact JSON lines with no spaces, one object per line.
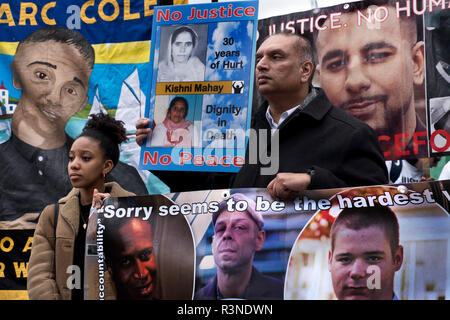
{"x":134,"y":253}
{"x":346,"y":262}
{"x":75,"y":59}
{"x":202,"y":82}
{"x":277,"y":250}
{"x":370,"y":58}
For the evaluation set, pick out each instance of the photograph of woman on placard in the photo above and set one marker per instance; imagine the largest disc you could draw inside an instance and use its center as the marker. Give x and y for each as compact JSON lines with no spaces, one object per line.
{"x":183,"y":57}
{"x":175,"y":130}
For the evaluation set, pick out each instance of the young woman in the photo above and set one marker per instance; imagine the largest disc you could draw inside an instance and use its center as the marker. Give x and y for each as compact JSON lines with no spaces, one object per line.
{"x":57,"y":248}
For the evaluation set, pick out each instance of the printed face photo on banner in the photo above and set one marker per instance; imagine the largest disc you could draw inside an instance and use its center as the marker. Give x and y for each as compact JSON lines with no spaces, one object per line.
{"x":371,"y":63}
{"x":182,"y":51}
{"x":244,"y":244}
{"x":147,"y":256}
{"x":50,"y":70}
{"x":50,"y":73}
{"x":176,"y":121}
{"x":371,"y":252}
{"x":54,"y":79}
{"x":375,"y":71}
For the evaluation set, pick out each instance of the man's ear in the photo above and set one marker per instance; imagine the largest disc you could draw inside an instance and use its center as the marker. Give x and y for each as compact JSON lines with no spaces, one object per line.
{"x":260,"y":238}
{"x":16,"y":81}
{"x":306,"y":68}
{"x":330,"y":259}
{"x":418,"y":58}
{"x":398,"y":258}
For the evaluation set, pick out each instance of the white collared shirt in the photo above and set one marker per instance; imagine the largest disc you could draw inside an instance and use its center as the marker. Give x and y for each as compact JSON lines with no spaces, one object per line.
{"x":273,"y":125}
{"x":283,"y":117}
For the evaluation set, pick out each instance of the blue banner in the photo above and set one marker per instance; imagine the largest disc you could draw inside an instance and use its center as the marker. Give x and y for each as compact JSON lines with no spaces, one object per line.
{"x":111,"y":20}
{"x":202,"y":82}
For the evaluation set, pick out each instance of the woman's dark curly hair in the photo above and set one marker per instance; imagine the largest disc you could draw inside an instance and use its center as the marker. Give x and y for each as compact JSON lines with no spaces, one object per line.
{"x":108,"y":131}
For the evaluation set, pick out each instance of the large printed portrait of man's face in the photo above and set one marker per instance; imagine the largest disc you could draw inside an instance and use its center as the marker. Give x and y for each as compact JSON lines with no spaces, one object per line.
{"x":370,"y":62}
{"x":369,"y":247}
{"x":139,"y":256}
{"x":374,"y":69}
{"x":228,"y":240}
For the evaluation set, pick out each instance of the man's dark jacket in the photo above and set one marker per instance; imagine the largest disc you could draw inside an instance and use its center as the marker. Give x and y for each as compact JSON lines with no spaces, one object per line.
{"x":342,"y":150}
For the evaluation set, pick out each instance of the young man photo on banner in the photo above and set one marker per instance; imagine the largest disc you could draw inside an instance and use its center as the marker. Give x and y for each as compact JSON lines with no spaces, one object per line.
{"x":374,"y":70}
{"x":365,"y":253}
